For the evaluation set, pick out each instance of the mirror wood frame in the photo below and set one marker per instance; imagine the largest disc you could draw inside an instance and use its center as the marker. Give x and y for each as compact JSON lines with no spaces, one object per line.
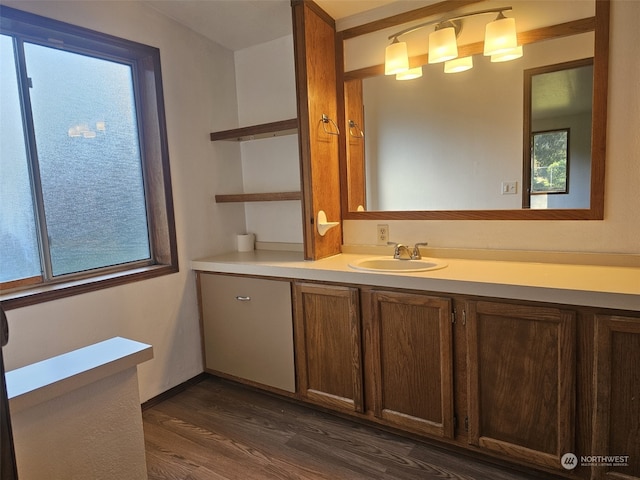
{"x":599,"y":24}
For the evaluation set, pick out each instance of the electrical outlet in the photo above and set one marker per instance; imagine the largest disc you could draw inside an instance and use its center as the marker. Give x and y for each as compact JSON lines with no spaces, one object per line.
{"x":383,"y":234}
{"x":509,"y":188}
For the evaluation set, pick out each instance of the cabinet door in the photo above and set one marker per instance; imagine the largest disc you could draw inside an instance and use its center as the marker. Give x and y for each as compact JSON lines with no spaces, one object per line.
{"x":328,"y":351}
{"x":413,"y":362}
{"x":521,"y":380}
{"x":247,"y":329}
{"x":616,"y":429}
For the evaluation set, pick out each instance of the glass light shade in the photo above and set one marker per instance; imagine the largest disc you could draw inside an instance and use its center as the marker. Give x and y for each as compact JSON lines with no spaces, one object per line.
{"x":442,"y":45}
{"x":396,"y":59}
{"x":410,"y":74}
{"x":508,"y":55}
{"x":500,"y":35}
{"x":458,"y":65}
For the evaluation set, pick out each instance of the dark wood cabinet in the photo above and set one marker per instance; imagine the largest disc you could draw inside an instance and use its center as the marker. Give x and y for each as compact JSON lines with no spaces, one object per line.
{"x":616,"y":427}
{"x":527,"y":382}
{"x":328,"y":346}
{"x":412,"y":357}
{"x":521,"y":380}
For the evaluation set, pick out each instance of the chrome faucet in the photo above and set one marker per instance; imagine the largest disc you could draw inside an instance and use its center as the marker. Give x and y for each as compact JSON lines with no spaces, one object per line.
{"x":403,"y":252}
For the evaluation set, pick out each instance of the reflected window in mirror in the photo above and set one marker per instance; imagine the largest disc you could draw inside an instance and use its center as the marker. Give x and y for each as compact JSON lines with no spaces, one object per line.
{"x":558,"y":99}
{"x":550,"y":162}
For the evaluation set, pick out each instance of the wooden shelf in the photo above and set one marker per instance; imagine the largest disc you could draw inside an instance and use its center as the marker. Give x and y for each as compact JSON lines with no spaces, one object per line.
{"x":265,"y":130}
{"x":259,"y":197}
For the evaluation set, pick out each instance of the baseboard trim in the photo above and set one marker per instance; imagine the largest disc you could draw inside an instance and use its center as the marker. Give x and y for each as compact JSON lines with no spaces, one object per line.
{"x":174,"y":391}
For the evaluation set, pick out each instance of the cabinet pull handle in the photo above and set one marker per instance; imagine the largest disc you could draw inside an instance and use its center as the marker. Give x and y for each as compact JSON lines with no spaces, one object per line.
{"x":242,"y":298}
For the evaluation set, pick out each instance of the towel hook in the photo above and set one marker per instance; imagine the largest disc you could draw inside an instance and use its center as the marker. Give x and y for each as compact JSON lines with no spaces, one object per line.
{"x":325,"y":120}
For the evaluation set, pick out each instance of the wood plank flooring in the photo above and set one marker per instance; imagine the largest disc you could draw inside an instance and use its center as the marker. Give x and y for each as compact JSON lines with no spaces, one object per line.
{"x":218,"y":430}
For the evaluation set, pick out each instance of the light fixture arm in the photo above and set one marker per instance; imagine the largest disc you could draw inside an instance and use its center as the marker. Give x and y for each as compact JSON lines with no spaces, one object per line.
{"x":450,"y":18}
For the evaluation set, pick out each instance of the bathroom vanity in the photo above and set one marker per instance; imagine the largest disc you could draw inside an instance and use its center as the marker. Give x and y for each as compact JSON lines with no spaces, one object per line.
{"x":522,"y":358}
{"x":520,"y":361}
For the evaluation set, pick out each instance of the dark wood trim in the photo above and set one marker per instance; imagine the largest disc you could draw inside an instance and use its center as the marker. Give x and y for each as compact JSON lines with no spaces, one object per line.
{"x":435,"y":9}
{"x":173,"y":391}
{"x":265,"y":130}
{"x":318,"y":10}
{"x":23,"y":282}
{"x":302,"y":94}
{"x":599,"y":113}
{"x":8,"y":467}
{"x":258,"y":197}
{"x":556,"y":214}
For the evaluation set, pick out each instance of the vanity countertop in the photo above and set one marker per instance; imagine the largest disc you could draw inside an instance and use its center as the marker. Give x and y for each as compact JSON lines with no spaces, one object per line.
{"x":569,"y":284}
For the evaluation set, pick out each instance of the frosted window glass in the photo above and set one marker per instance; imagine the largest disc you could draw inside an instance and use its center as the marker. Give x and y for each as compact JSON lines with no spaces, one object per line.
{"x":89,"y":153}
{"x":19,"y":257}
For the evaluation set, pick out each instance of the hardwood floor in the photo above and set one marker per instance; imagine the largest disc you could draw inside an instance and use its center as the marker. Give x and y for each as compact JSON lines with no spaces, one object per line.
{"x":219,"y":430}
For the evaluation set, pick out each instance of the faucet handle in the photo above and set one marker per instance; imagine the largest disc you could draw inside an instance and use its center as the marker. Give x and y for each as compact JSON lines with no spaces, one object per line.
{"x":416,"y":255}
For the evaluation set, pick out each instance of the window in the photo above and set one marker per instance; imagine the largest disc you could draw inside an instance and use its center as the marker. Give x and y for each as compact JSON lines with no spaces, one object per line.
{"x":85,"y":191}
{"x":550,"y":161}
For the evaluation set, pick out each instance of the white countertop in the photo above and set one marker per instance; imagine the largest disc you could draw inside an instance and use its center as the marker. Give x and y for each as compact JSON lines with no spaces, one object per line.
{"x":586,"y":285}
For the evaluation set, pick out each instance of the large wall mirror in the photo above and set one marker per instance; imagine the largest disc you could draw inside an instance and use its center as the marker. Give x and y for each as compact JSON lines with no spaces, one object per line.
{"x":460,"y":145}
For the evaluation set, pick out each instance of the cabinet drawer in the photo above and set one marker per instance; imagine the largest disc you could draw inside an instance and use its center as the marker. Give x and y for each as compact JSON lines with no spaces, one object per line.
{"x":248,"y":329}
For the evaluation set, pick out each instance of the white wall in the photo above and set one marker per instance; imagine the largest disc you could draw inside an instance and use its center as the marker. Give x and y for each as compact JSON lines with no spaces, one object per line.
{"x":199,"y":92}
{"x":619,"y":232}
{"x":94,"y":431}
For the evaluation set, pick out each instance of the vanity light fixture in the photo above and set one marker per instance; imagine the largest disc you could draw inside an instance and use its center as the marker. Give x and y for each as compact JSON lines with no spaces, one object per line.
{"x":457,"y":65}
{"x":500,"y":42}
{"x":507,"y":55}
{"x":396,"y":59}
{"x":442,"y":44}
{"x":410,"y":74}
{"x":500,"y":35}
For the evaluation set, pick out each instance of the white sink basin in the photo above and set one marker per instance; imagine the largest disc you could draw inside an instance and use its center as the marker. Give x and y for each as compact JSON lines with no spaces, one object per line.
{"x":386,"y":264}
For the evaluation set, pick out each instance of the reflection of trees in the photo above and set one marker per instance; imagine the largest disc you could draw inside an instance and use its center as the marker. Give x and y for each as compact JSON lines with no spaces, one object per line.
{"x":550,"y":161}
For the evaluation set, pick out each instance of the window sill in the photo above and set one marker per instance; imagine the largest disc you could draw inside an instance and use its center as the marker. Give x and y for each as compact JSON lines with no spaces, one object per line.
{"x":33,"y":295}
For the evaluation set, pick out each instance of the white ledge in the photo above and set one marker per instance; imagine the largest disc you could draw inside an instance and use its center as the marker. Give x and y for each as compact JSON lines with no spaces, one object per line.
{"x":36,"y":383}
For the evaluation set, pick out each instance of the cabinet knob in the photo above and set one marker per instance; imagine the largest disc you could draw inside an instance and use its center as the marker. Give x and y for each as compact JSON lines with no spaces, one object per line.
{"x":242,"y":298}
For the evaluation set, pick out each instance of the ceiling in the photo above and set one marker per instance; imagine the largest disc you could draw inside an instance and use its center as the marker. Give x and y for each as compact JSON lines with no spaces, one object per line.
{"x":238,"y":24}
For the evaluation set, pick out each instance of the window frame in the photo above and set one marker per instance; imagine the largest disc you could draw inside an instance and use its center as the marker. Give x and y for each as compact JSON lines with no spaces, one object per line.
{"x":145,"y":64}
